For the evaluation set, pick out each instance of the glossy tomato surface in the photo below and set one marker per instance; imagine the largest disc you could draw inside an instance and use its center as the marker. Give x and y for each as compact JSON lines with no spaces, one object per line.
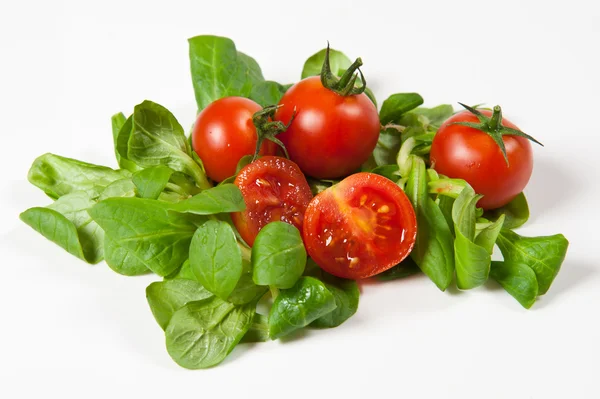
{"x":470,"y":154}
{"x":360,"y":227}
{"x":274,"y":189}
{"x":224,"y":133}
{"x":331,"y":135}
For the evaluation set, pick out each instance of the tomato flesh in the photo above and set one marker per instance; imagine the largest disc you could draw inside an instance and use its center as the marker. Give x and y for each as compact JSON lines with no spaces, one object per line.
{"x":467,"y":153}
{"x":331,"y":135}
{"x":360,"y":227}
{"x":224,"y":133}
{"x":274,"y":189}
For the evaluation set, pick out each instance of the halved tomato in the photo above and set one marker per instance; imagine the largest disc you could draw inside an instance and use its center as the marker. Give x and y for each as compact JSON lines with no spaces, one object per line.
{"x":360,"y":227}
{"x":274,"y":189}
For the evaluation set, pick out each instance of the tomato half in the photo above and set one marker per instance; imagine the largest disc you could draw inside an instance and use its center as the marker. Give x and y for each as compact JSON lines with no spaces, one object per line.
{"x":331,"y":135}
{"x":274,"y":189}
{"x":360,"y":227}
{"x":467,"y":153}
{"x":224,"y":133}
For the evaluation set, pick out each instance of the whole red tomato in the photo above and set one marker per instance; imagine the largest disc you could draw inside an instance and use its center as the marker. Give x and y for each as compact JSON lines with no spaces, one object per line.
{"x":274,"y":189}
{"x":332,"y":134}
{"x":360,"y":227}
{"x":471,"y":154}
{"x":224,"y":133}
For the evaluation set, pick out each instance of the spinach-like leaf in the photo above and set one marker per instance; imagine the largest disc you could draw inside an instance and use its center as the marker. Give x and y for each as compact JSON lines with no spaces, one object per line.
{"x":267,"y":93}
{"x":123,"y":260}
{"x":202,"y":333}
{"x":472,"y":261}
{"x":388,"y":145}
{"x":339,"y":63}
{"x":118,"y":188}
{"x":518,"y":279}
{"x":406,"y":268}
{"x":397,"y":105}
{"x":158,"y":238}
{"x":434,"y":249}
{"x":388,"y":171}
{"x":487,"y":237}
{"x":299,"y":306}
{"x":222,"y":198}
{"x":516,"y":212}
{"x":246,"y":291}
{"x":150,"y":182}
{"x":543,"y":254}
{"x":67,"y":223}
{"x":278,"y":255}
{"x":184,"y":272}
{"x":117,"y":122}
{"x":215,"y":258}
{"x":121,"y":141}
{"x":346,"y":294}
{"x":435,"y":116}
{"x":58,"y":176}
{"x":167,"y":297}
{"x":219,"y":70}
{"x":259,"y":330}
{"x":158,"y":139}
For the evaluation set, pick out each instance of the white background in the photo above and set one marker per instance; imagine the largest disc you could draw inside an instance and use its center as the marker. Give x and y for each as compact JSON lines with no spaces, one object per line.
{"x":72,"y":330}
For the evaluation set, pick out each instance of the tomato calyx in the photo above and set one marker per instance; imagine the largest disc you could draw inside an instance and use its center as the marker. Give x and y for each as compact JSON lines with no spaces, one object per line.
{"x":494,"y":128}
{"x":267,"y":128}
{"x":344,"y":85}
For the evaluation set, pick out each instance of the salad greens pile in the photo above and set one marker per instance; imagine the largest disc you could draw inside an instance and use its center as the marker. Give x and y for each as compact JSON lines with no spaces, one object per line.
{"x":159,"y":213}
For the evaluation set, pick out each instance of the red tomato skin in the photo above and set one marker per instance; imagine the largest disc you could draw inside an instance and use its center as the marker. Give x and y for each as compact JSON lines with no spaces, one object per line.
{"x":346,"y":222}
{"x":331,"y":135}
{"x":274,"y":189}
{"x":224,"y":133}
{"x":467,"y":153}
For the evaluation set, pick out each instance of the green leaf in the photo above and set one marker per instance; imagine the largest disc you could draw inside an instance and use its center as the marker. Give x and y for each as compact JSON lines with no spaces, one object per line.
{"x":117,"y":122}
{"x":121,"y":146}
{"x":122,"y":260}
{"x":219,"y":70}
{"x":516,"y":212}
{"x":299,"y":306}
{"x":388,"y":145}
{"x":406,"y":268}
{"x":67,"y":223}
{"x":472,"y":261}
{"x":543,"y":254}
{"x":278,"y":255}
{"x":339,"y":63}
{"x":446,"y":204}
{"x":397,"y":105}
{"x":118,"y":188}
{"x":487,"y":237}
{"x":150,"y":182}
{"x":259,"y":330}
{"x":246,"y":291}
{"x":435,"y":116}
{"x":346,"y":294}
{"x":434,"y":249}
{"x":158,"y":238}
{"x":167,"y":297}
{"x":202,"y":333}
{"x":518,"y":279}
{"x":222,"y":198}
{"x":389,"y":171}
{"x":58,"y":176}
{"x":215,"y":258}
{"x":267,"y":93}
{"x":158,"y":139}
{"x":184,"y":272}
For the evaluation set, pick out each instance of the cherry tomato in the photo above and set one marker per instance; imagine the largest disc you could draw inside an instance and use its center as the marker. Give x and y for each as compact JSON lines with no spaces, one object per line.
{"x":467,"y":153}
{"x":274,"y":189}
{"x":224,"y":133}
{"x":331,"y":135}
{"x":360,"y":227}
